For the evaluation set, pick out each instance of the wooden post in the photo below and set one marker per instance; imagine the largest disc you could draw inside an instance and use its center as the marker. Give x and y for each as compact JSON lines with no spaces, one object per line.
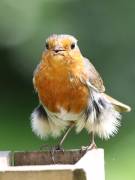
{"x":58,"y":165}
{"x":5,"y":159}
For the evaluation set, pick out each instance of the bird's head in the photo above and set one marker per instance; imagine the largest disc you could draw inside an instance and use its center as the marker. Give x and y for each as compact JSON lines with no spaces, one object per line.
{"x":62,"y":48}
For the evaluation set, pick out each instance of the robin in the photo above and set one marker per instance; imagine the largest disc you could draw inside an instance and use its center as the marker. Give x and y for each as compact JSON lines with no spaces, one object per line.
{"x":72,"y":94}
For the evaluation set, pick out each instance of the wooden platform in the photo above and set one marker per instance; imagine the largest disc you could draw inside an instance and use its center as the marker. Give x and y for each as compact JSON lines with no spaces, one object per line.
{"x":48,"y":165}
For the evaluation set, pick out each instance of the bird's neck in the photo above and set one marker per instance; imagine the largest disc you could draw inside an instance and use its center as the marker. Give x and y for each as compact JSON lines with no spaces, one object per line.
{"x":63,"y":64}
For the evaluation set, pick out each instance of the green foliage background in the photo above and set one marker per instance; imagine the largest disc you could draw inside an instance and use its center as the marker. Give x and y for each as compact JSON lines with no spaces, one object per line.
{"x":106,"y":33}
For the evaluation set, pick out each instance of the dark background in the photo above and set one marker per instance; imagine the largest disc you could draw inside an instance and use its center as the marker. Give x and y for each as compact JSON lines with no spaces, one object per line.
{"x":106,"y":34}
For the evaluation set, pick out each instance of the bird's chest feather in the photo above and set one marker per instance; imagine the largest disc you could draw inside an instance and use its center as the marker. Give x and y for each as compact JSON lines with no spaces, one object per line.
{"x":58,"y":89}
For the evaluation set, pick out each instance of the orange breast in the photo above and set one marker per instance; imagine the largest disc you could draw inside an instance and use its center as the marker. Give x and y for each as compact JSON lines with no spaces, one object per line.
{"x":57,"y":90}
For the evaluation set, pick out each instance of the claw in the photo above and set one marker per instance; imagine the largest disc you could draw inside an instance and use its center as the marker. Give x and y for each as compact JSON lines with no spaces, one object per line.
{"x":55,"y":149}
{"x":88,"y":148}
{"x":52,"y":150}
{"x":92,"y":146}
{"x":58,"y":148}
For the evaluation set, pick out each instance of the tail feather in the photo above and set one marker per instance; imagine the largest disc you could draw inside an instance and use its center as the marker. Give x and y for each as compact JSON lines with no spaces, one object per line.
{"x":119,"y":106}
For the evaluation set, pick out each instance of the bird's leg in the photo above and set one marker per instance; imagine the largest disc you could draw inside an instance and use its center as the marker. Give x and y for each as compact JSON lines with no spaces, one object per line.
{"x":92,"y":144}
{"x":58,"y":147}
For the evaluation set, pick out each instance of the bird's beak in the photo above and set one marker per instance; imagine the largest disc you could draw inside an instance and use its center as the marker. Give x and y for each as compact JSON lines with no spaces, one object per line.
{"x":57,"y":49}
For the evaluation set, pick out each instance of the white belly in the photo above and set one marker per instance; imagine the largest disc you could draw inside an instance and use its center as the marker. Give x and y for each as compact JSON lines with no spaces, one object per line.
{"x":63,"y":119}
{"x":63,"y":115}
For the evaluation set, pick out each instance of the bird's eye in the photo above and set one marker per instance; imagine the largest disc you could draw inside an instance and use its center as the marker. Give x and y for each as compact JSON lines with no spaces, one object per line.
{"x":72,"y":45}
{"x":47,"y":45}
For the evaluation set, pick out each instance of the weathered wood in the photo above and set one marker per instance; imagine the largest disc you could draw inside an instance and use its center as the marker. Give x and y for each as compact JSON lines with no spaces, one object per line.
{"x":37,"y":175}
{"x":89,"y":167}
{"x":47,"y":157}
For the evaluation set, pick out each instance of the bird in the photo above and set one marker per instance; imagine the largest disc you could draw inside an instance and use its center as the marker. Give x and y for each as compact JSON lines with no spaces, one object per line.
{"x":72,"y":94}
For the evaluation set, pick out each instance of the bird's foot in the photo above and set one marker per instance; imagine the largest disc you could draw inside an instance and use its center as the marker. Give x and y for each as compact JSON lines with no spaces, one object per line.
{"x":92,"y":146}
{"x":58,"y":148}
{"x":49,"y":148}
{"x":88,"y":148}
{"x":52,"y":150}
{"x":55,"y":149}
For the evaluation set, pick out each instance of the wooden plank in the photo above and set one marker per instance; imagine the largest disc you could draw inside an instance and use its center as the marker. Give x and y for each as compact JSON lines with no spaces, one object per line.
{"x":37,"y":175}
{"x":47,"y":157}
{"x":89,"y":167}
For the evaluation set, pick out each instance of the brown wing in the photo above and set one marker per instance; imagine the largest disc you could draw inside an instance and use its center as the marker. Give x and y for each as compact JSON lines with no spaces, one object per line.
{"x":94,"y":78}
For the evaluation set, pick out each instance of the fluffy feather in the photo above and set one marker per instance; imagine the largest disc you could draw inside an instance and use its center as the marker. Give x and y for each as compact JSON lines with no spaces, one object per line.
{"x":40,"y":125}
{"x":44,"y":123}
{"x":105,"y":123}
